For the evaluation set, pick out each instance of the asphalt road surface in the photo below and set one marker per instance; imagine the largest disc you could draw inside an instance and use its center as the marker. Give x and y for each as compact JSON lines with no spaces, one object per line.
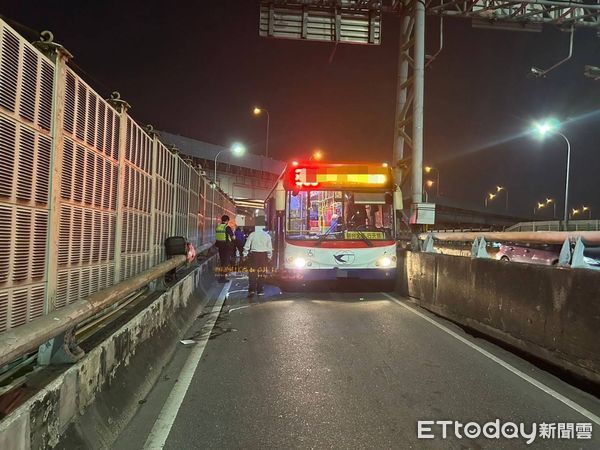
{"x":349,"y":370}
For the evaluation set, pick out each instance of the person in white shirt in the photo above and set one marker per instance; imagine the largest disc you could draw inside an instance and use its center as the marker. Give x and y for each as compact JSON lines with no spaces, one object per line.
{"x":260,"y":250}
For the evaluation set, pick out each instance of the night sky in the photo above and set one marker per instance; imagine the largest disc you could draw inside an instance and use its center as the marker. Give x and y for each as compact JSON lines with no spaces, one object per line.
{"x":198,"y":69}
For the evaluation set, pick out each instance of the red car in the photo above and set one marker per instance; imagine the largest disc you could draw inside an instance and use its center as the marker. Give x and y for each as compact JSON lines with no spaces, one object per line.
{"x":546,"y":254}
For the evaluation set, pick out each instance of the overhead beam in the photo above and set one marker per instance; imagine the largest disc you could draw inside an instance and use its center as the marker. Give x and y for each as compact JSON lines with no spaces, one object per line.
{"x":559,"y":13}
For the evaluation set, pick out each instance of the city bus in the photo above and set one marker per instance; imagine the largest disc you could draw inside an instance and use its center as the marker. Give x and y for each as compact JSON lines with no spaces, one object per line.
{"x":332,"y":221}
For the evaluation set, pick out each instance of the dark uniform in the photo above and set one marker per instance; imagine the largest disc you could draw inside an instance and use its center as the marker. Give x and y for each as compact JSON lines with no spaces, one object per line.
{"x":224,"y":243}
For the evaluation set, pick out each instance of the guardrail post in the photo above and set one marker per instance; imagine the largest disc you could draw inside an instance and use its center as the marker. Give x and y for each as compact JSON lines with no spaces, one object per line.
{"x":175,"y":152}
{"x":154,"y":169}
{"x":154,"y":285}
{"x":62,"y":349}
{"x":60,"y":56}
{"x":121,"y":106}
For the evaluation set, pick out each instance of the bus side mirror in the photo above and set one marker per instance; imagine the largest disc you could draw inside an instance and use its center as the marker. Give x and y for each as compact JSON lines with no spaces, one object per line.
{"x":279,"y":197}
{"x":398,"y":201}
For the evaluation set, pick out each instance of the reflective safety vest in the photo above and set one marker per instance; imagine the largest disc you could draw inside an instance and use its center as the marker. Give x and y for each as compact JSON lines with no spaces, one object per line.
{"x":220,"y":234}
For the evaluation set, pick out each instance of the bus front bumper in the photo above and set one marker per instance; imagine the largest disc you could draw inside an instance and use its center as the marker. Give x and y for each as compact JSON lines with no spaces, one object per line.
{"x":338,"y":274}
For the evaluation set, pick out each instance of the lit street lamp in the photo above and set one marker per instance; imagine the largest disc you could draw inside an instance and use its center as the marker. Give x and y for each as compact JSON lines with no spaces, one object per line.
{"x":429,"y":169}
{"x":539,"y":206}
{"x":489,"y":196}
{"x":551,"y":201}
{"x":582,"y":210}
{"x":427,"y":184}
{"x":238,"y":150}
{"x":257,"y":112}
{"x":500,"y":189}
{"x":589,"y":210}
{"x":575,"y":212}
{"x":551,"y":127}
{"x":317,"y":155}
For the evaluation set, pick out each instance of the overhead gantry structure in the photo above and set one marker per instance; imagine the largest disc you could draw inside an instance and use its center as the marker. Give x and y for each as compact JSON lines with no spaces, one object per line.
{"x":359,"y":22}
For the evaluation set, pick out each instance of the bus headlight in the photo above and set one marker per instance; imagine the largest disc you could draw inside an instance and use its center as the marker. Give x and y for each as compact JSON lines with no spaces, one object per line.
{"x":299,"y":262}
{"x":386,"y":261}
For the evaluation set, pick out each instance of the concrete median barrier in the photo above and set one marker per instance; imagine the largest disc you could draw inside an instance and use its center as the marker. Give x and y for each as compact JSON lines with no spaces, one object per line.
{"x":87,"y":404}
{"x":552,"y":313}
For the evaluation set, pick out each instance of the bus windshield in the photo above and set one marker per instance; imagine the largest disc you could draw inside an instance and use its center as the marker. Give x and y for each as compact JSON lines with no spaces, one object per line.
{"x":342,"y":215}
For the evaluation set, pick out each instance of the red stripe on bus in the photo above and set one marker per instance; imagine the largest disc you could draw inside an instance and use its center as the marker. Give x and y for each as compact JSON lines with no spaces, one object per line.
{"x":339,"y":244}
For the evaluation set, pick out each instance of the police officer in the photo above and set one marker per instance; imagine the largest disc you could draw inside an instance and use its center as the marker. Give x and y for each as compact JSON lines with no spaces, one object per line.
{"x":224,"y":243}
{"x":260,"y":250}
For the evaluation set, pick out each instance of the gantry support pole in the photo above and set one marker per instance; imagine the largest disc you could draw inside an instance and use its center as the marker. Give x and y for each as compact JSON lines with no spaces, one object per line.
{"x":403,"y":102}
{"x":419,"y":89}
{"x":408,"y":133}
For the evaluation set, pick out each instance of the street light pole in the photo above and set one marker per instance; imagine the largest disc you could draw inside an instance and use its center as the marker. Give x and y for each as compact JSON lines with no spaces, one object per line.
{"x":550,"y":126}
{"x":429,"y":169}
{"x":212,"y":203}
{"x":489,"y":196}
{"x":566,"y":216}
{"x":553,"y":201}
{"x":215,"y":174}
{"x":238,"y":150}
{"x":267,"y":143}
{"x":502,"y":188}
{"x":257,"y":111}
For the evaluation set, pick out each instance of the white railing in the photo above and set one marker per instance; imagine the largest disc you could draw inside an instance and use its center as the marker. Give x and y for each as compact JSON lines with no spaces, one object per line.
{"x":87,"y":196}
{"x":557,"y":225}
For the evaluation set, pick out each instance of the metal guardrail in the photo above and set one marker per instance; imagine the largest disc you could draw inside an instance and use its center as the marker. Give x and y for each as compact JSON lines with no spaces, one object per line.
{"x":19,"y":341}
{"x":575,"y":251}
{"x":556,"y":225}
{"x":530,"y":237}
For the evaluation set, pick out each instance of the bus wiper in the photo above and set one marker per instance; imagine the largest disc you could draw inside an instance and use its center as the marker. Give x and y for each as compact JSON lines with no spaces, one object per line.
{"x":323,"y":236}
{"x":364,"y":238}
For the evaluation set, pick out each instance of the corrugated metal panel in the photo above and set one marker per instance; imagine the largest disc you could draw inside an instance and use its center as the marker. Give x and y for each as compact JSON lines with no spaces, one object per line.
{"x":26,"y":83}
{"x":194,"y":207}
{"x":182,"y":198}
{"x":135,"y":242}
{"x":88,"y":192}
{"x":340,"y":21}
{"x":86,"y":212}
{"x":165,"y":181}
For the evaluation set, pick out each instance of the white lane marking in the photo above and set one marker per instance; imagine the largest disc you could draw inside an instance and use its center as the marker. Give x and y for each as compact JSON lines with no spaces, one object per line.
{"x":561,"y":398}
{"x":237,"y":290}
{"x":239,"y":307}
{"x":162,"y":427}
